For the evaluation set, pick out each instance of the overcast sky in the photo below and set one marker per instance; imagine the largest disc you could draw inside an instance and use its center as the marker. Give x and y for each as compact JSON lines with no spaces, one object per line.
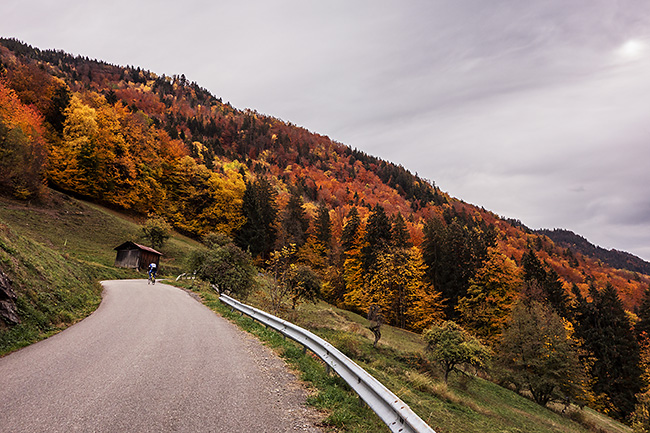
{"x":535,"y":110}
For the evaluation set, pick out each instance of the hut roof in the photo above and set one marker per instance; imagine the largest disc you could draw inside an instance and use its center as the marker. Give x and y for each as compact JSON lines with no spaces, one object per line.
{"x":132,"y":245}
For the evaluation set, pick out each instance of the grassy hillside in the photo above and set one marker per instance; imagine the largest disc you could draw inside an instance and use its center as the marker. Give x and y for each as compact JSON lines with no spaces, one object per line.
{"x":466,"y":404}
{"x":55,"y":254}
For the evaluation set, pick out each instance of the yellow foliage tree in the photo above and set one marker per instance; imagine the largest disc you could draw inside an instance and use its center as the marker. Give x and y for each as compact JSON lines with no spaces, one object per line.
{"x":79,"y":134}
{"x":354,"y":276}
{"x":426,"y":309}
{"x":397,"y":287}
{"x":202,"y":201}
{"x":113,"y":155}
{"x":491,"y":295}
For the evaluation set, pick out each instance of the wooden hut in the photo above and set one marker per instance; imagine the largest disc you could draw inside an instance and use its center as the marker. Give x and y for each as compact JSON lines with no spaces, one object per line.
{"x":135,"y":256}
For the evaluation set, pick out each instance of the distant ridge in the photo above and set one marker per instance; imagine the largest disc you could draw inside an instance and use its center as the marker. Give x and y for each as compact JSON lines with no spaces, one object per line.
{"x":614,"y":258}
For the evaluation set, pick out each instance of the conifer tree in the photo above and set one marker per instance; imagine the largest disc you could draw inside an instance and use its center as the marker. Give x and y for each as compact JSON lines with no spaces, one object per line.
{"x":533,"y":267}
{"x":258,"y":234}
{"x":294,"y":221}
{"x":577,"y":305}
{"x":400,"y":235}
{"x":453,"y":253}
{"x":323,"y":227}
{"x":377,"y":238}
{"x":557,"y":296}
{"x":608,"y":336}
{"x":351,"y":230}
{"x":551,"y":289}
{"x":643,"y":325}
{"x":433,"y":251}
{"x":55,"y":114}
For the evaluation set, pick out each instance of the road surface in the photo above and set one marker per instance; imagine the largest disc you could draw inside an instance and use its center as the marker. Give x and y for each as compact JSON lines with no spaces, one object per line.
{"x":150,"y":359}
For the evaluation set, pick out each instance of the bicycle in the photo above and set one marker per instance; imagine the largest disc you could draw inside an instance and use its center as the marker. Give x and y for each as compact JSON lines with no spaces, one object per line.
{"x":152,"y":278}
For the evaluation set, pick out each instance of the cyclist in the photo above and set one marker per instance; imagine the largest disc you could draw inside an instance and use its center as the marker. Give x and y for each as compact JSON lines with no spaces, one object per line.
{"x":152,"y":273}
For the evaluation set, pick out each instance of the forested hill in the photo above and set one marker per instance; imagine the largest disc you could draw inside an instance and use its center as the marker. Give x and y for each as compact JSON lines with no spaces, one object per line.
{"x":154,"y":144}
{"x":210,"y":129}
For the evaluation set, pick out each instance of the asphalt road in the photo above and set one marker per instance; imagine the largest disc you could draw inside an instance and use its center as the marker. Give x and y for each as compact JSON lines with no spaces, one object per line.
{"x":150,"y":359}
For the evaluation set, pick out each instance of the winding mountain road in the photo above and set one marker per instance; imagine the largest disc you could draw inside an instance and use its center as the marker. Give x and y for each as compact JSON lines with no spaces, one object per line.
{"x":150,"y":359}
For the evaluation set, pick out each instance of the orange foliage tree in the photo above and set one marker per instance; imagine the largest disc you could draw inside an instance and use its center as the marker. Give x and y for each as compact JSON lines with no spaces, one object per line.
{"x":22,"y":147}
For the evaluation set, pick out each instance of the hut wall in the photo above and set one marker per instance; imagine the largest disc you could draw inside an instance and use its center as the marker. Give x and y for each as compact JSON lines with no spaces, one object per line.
{"x":128,"y":259}
{"x":146,"y":257}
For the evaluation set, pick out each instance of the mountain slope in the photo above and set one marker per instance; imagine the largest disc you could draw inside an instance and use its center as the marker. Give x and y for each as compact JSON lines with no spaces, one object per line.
{"x":165,"y":145}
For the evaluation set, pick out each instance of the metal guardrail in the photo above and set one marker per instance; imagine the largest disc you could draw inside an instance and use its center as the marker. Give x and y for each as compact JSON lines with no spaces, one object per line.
{"x":186,"y":276}
{"x":397,"y":415}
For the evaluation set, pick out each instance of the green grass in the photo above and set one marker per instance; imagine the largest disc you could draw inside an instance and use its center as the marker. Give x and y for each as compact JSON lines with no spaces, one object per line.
{"x":55,"y":255}
{"x":53,"y":290}
{"x":86,"y":231}
{"x":467,"y":404}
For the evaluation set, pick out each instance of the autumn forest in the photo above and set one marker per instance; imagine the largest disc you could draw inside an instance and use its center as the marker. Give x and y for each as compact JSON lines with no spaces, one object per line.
{"x":373,"y":235}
